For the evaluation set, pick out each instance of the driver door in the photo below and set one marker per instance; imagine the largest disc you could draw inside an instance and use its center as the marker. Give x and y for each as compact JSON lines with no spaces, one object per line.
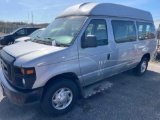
{"x":94,"y":59}
{"x":21,"y":33}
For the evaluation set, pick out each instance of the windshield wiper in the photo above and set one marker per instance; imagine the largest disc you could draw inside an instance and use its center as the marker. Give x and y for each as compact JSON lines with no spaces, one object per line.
{"x":43,"y":42}
{"x":61,"y":44}
{"x":57,"y":43}
{"x":49,"y":39}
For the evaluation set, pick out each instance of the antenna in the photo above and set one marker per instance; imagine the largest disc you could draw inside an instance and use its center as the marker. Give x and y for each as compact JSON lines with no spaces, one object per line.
{"x":28,"y":16}
{"x":32,"y":17}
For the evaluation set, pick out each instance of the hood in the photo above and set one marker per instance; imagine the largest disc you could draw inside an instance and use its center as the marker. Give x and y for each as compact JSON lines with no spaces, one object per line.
{"x":26,"y":48}
{"x":30,"y":54}
{"x":22,"y":39}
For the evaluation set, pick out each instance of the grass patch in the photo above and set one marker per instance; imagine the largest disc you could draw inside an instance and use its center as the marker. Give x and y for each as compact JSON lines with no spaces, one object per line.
{"x":157,"y":58}
{"x":156,"y":61}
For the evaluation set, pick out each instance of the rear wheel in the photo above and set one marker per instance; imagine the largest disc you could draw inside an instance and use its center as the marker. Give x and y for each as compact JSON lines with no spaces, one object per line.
{"x":60,"y":97}
{"x":141,"y":67}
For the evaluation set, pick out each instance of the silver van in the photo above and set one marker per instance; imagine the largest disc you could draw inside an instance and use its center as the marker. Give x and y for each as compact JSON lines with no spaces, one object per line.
{"x":84,"y":45}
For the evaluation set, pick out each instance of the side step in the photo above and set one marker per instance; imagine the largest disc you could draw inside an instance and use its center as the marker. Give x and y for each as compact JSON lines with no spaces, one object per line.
{"x":96,"y":88}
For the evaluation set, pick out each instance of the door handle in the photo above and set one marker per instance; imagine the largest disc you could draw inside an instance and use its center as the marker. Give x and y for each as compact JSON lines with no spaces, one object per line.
{"x":108,"y":57}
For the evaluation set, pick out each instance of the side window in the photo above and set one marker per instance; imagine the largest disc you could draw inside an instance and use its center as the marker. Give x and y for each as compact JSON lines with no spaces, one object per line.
{"x":98,"y":28}
{"x":29,"y":31}
{"x":22,"y":32}
{"x":124,"y":31}
{"x":145,"y":31}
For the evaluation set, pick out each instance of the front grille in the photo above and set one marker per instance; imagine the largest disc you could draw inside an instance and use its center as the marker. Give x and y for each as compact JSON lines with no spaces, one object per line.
{"x":6,"y":69}
{"x":12,"y":76}
{"x":7,"y":65}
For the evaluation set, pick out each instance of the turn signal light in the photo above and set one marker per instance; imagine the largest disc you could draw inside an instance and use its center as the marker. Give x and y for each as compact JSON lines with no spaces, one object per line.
{"x":28,"y":72}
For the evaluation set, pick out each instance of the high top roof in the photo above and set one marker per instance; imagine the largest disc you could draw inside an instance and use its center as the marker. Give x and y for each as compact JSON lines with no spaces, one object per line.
{"x":106,"y":9}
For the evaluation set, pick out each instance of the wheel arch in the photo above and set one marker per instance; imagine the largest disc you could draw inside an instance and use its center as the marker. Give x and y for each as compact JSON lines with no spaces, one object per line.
{"x":72,"y":76}
{"x":147,"y":55}
{"x":9,"y":40}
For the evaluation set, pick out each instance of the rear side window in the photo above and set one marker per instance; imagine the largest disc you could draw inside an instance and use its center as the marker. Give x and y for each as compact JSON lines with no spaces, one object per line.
{"x":145,"y":31}
{"x":124,"y":31}
{"x":30,"y":30}
{"x":98,"y":28}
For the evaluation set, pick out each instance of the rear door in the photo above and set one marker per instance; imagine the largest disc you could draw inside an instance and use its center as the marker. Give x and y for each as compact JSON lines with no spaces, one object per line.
{"x":124,"y":32}
{"x":31,"y":30}
{"x":146,"y":39}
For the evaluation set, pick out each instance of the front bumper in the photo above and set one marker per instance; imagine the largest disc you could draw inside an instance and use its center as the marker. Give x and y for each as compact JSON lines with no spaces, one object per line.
{"x":19,"y":96}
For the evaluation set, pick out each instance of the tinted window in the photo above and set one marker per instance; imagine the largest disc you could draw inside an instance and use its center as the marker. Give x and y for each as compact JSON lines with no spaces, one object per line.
{"x":124,"y":31}
{"x":99,"y":29}
{"x":145,"y":30}
{"x":22,"y":32}
{"x":31,"y":30}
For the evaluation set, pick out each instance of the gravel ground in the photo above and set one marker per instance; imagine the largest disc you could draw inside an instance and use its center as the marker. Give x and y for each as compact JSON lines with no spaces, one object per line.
{"x":130,"y":98}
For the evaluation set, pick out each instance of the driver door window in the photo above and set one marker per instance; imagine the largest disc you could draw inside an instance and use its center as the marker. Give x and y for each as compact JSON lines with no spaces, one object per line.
{"x":98,"y":28}
{"x":22,"y":32}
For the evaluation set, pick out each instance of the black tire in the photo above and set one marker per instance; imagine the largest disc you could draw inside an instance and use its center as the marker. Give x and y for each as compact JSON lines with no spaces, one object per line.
{"x":46,"y":102}
{"x":138,"y":70}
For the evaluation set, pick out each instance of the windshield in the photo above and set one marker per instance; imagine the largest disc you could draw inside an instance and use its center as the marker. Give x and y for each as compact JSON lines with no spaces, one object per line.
{"x":63,"y":30}
{"x":36,"y":33}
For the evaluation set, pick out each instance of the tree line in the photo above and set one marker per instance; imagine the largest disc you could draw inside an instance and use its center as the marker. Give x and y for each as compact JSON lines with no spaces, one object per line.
{"x":8,"y":27}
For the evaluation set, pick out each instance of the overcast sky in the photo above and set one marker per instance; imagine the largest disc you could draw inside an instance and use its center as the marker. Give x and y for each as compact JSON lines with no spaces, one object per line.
{"x":44,"y":11}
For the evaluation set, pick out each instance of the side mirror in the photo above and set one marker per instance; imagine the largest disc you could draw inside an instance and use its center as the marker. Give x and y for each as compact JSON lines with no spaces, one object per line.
{"x":90,"y":41}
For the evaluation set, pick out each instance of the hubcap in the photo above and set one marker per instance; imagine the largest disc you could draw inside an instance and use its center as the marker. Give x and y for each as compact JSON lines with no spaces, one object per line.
{"x":62,"y":98}
{"x":143,"y":66}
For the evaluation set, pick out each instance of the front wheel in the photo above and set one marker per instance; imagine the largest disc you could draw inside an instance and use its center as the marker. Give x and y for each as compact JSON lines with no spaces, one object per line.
{"x":10,"y":43}
{"x":60,"y":97}
{"x":141,"y":67}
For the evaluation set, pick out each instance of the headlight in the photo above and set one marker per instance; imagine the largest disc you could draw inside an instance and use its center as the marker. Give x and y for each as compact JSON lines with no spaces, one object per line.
{"x":24,"y":78}
{"x":25,"y":71}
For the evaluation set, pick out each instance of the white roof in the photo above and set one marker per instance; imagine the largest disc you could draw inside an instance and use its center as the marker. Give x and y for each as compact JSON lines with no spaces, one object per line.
{"x":106,"y":9}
